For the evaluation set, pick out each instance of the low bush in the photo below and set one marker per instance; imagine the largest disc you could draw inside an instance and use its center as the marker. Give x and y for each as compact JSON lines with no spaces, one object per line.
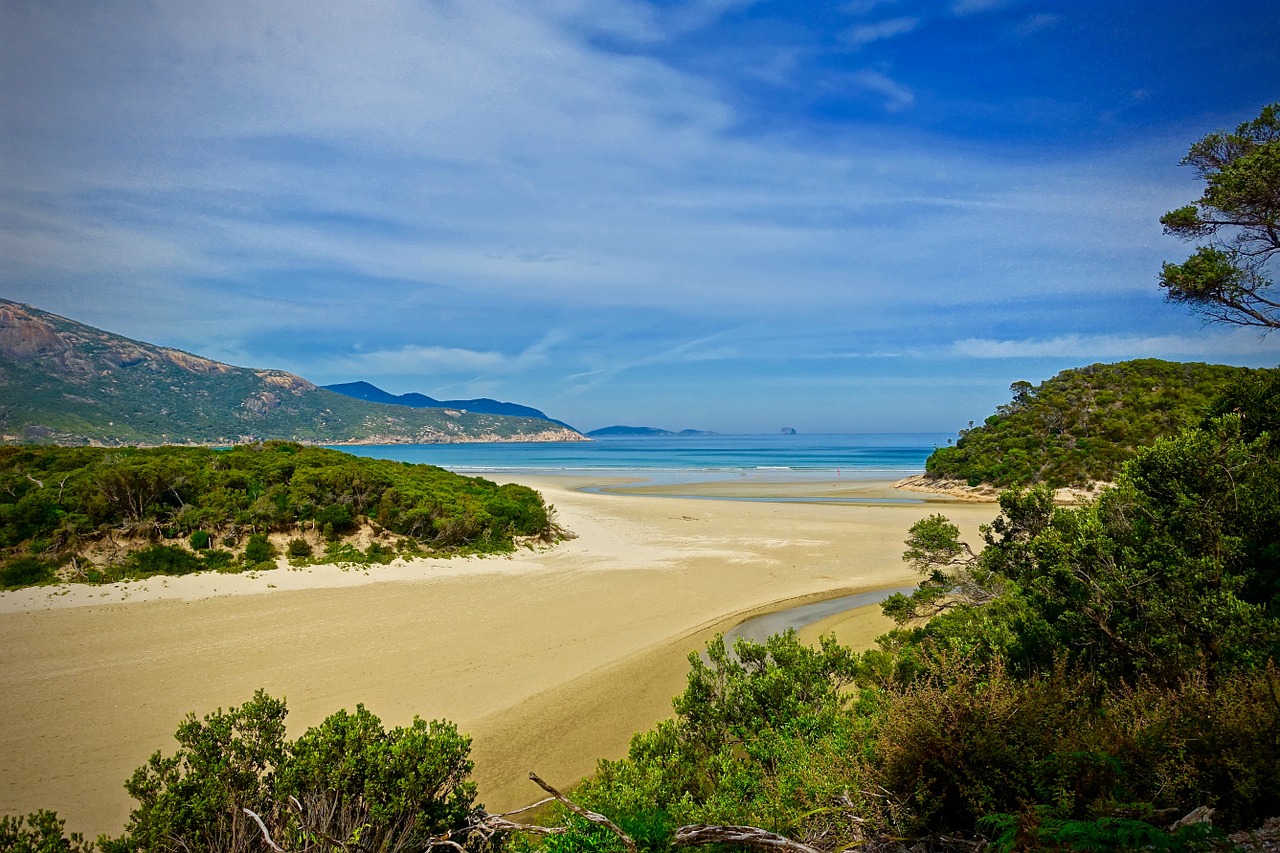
{"x":258,"y":550}
{"x":25,"y":571}
{"x":163,"y":560}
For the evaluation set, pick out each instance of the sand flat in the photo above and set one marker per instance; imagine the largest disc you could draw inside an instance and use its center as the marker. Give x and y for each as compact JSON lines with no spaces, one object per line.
{"x":550,"y":659}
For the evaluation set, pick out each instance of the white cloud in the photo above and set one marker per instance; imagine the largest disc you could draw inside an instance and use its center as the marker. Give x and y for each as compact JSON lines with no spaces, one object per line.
{"x":212,"y":173}
{"x":897,"y":96}
{"x":1037,"y":23}
{"x":1215,"y":343}
{"x":975,"y":7}
{"x":866,"y":33}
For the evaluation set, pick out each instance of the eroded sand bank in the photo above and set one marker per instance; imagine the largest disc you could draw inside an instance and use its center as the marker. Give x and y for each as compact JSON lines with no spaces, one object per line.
{"x":549,"y":659}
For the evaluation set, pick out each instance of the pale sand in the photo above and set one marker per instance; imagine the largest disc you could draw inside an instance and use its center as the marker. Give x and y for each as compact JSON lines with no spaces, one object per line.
{"x":549,"y":659}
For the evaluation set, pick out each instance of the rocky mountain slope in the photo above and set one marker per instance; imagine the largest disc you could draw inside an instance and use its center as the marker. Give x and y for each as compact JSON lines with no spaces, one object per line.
{"x":62,"y":382}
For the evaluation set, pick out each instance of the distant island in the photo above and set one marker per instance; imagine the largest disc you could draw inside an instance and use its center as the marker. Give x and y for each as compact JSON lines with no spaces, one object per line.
{"x":62,"y":382}
{"x":639,"y":431}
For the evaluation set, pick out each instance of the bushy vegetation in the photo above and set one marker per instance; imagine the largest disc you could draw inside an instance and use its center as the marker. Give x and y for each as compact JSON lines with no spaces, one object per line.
{"x":346,"y":784}
{"x":164,"y":507}
{"x":1088,"y":677}
{"x":1082,"y":681}
{"x":1080,"y":426}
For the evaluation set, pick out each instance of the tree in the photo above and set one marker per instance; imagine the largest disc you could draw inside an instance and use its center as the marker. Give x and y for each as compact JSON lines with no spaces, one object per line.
{"x":1227,"y":280}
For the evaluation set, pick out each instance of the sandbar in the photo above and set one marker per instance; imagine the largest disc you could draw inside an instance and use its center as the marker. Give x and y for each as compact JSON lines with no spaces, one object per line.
{"x":549,"y":658}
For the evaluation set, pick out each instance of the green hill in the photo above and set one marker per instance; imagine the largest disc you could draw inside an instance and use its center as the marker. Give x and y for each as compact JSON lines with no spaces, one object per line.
{"x":67,"y":383}
{"x":1082,"y":424}
{"x":106,"y":514}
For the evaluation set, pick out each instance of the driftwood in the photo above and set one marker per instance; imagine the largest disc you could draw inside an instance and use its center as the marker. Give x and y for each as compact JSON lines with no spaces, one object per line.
{"x":748,"y":836}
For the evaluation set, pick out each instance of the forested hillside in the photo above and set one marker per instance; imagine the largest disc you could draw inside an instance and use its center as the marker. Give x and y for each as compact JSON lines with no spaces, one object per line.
{"x":97,"y":514}
{"x":1083,"y":424}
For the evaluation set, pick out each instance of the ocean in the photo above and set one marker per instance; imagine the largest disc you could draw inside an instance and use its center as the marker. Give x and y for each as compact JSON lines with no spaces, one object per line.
{"x":674,"y":459}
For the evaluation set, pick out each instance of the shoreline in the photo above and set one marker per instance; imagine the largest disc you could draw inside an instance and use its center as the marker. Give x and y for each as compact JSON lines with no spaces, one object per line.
{"x":986,"y":493}
{"x":550,"y":659}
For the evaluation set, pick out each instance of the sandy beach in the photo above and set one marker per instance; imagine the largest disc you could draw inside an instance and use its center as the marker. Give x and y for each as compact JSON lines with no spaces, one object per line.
{"x":550,"y":659}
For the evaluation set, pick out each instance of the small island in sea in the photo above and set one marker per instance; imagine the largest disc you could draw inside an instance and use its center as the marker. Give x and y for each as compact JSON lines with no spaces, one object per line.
{"x":642,"y":432}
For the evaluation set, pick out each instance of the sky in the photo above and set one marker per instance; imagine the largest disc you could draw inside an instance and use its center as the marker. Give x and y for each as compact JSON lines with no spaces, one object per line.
{"x":856,"y":216}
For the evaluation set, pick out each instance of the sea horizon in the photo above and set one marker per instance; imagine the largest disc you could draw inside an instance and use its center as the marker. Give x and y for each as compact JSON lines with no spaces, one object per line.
{"x":676,"y":458}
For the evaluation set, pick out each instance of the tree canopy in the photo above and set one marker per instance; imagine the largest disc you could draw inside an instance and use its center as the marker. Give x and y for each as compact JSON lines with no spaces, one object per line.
{"x":161,"y":509}
{"x":1228,"y":279}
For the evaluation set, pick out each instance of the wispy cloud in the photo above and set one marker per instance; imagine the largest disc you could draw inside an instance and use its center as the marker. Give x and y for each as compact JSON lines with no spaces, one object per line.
{"x":1033,"y":24}
{"x":975,"y":7}
{"x":897,"y":96}
{"x":864,"y":34}
{"x":447,"y":182}
{"x":1217,"y":344}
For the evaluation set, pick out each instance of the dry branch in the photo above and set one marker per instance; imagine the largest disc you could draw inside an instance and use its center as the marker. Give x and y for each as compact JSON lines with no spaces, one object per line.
{"x":593,"y":817}
{"x":266,"y":836}
{"x":747,"y":836}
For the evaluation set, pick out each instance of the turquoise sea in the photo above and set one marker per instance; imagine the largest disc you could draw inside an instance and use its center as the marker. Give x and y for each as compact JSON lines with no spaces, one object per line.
{"x":668,"y":459}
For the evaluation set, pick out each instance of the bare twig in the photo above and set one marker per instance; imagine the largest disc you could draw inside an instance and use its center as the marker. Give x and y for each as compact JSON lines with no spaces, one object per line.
{"x":747,"y":836}
{"x":266,"y":836}
{"x":593,"y":817}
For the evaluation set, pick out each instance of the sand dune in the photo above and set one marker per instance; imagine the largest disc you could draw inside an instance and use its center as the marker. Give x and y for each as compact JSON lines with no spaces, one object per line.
{"x":550,"y":659}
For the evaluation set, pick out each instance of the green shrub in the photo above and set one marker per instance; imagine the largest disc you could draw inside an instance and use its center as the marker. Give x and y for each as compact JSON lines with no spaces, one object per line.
{"x":41,"y":832}
{"x":391,"y":789}
{"x":379,"y":553}
{"x":199,"y":540}
{"x":218,"y":560}
{"x":25,"y":571}
{"x":299,"y":549}
{"x":258,"y":549}
{"x":334,"y":520}
{"x":163,"y":560}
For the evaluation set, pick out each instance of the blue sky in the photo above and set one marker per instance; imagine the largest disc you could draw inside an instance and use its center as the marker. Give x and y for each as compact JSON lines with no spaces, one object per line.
{"x":857,"y":216}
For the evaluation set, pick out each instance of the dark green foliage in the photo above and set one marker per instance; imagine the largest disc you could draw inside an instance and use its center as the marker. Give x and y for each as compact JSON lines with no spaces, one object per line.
{"x":56,"y":501}
{"x":394,"y":787}
{"x":194,"y":798}
{"x":1174,"y":570}
{"x":258,"y":549}
{"x":215,"y":559}
{"x":1088,"y":677}
{"x":1255,"y":397}
{"x":335,"y":520}
{"x":1036,"y":831}
{"x":1080,"y":426}
{"x":351,"y":779}
{"x":298,"y":549}
{"x":1228,"y":280}
{"x":41,"y":832}
{"x":25,"y":571}
{"x":163,"y":560}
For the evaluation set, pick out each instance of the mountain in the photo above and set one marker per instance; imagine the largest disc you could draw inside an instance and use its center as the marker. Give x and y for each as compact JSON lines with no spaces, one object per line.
{"x":62,"y":382}
{"x":635,"y":431}
{"x":483,"y":405}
